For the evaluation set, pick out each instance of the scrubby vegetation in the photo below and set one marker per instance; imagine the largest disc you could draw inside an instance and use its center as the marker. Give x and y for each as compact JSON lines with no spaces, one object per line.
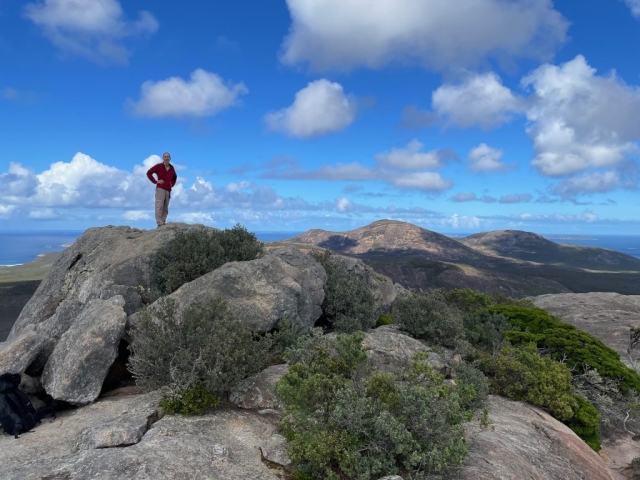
{"x":343,"y":420}
{"x":384,"y":319}
{"x":348,"y":302}
{"x":193,"y":253}
{"x":429,"y":317}
{"x":565,"y":342}
{"x":471,"y":302}
{"x":203,"y":348}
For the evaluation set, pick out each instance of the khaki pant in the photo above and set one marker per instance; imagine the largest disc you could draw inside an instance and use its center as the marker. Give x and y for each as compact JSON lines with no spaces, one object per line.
{"x":162,"y":205}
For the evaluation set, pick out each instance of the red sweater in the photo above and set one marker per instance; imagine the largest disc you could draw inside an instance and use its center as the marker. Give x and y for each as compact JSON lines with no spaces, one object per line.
{"x":169,"y":177}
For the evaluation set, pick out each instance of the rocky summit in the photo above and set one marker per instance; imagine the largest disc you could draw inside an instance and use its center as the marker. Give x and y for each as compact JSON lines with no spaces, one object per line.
{"x":69,"y":335}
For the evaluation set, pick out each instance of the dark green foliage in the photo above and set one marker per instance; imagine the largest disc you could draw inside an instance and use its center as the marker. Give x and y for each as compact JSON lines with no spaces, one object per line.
{"x":385,"y":319}
{"x":564,"y":341}
{"x":193,"y":253}
{"x":472,"y":302}
{"x":586,"y":423}
{"x":342,"y":420}
{"x":205,"y":346}
{"x":348,"y":302}
{"x":635,"y":465}
{"x":485,"y":330}
{"x":193,"y":401}
{"x":473,"y":385}
{"x":520,"y":373}
{"x":429,"y":317}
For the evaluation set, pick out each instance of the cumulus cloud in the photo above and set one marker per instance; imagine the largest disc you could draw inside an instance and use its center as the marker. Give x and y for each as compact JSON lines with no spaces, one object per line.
{"x":579,"y":120}
{"x":6,"y":211}
{"x":18,"y":181}
{"x":402,"y":168}
{"x":318,"y":109}
{"x":484,"y":158}
{"x":345,"y":34}
{"x":205,"y":94}
{"x":481,"y":100}
{"x":44,"y":214}
{"x":516,"y":198}
{"x":472,"y":197}
{"x":411,"y":158}
{"x":136,"y":215}
{"x":94,"y":29}
{"x":634,"y":5}
{"x":597,"y":182}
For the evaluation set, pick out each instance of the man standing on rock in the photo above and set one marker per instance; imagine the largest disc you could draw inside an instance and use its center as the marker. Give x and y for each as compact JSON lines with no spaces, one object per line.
{"x":166,"y":180}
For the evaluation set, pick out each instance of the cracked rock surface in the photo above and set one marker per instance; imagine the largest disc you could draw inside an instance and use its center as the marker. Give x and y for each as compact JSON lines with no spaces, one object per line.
{"x":122,"y":438}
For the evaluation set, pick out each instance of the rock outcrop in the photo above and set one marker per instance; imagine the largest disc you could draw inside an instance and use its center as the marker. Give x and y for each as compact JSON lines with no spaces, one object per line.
{"x":285,"y":283}
{"x":604,"y":315}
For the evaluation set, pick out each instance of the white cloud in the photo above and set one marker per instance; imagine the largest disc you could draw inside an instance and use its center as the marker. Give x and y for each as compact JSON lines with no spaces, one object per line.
{"x":484,"y":158}
{"x":94,"y":29}
{"x":205,"y":94}
{"x":634,"y":5}
{"x":136,"y":215}
{"x":481,"y":100}
{"x":579,"y":120}
{"x":344,"y":205}
{"x":318,"y":109}
{"x":44,"y":214}
{"x":6,"y":211}
{"x":461,"y":221}
{"x":17,"y":182}
{"x":197,"y":217}
{"x":344,"y":34}
{"x":464,"y":197}
{"x":411,"y":158}
{"x":597,"y":182}
{"x":427,"y":181}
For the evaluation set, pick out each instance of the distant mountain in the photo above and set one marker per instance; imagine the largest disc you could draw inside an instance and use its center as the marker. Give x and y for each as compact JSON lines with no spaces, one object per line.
{"x":535,"y":248}
{"x":514,"y":262}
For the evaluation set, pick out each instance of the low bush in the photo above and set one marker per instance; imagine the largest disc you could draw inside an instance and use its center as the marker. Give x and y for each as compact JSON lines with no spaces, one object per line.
{"x":343,"y":420}
{"x":485,"y":330}
{"x":428,"y":316}
{"x":384,"y":319}
{"x":348,"y":303}
{"x":193,"y":253}
{"x":205,"y":346}
{"x":193,"y":401}
{"x":471,"y":301}
{"x":520,"y":373}
{"x":565,"y":342}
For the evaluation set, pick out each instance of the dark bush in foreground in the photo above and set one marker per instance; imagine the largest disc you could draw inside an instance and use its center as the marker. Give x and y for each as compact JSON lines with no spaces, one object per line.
{"x":472,"y":302}
{"x":520,"y":373}
{"x":343,"y":420}
{"x":429,"y":317}
{"x":485,"y":330}
{"x":207,"y":346}
{"x":384,"y":319}
{"x":565,"y":342}
{"x":193,"y":253}
{"x":348,"y":303}
{"x":193,"y":401}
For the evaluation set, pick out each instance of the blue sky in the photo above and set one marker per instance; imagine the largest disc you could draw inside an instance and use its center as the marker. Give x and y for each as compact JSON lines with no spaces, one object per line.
{"x":463,"y":116}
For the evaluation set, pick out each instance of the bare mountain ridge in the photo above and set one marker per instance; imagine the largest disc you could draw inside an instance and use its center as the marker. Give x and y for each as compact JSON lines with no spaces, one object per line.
{"x":535,"y":248}
{"x":514,"y":262}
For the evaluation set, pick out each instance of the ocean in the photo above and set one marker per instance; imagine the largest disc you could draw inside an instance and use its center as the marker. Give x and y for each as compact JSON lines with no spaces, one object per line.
{"x":21,"y":247}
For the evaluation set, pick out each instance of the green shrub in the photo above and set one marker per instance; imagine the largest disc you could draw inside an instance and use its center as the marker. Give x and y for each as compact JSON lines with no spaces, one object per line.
{"x":472,"y":302}
{"x":384,"y":319}
{"x":204,"y":346}
{"x":485,"y":330}
{"x":193,"y":253}
{"x":342,"y":420}
{"x":565,"y":342}
{"x":473,"y":385}
{"x":193,"y":401}
{"x":348,"y":303}
{"x":635,"y":465}
{"x":429,"y":317}
{"x":586,"y":423}
{"x":520,"y":373}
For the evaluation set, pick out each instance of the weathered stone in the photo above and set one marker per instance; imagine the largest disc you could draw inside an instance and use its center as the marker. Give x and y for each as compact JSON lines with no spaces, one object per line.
{"x":523,"y":441}
{"x":391,"y":351}
{"x":223,"y":445}
{"x":604,"y":315}
{"x":121,"y":432}
{"x":19,"y":352}
{"x":102,"y":263}
{"x":285,"y":283}
{"x":259,"y":391}
{"x":275,"y":450}
{"x":81,"y":359}
{"x":382,"y":287}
